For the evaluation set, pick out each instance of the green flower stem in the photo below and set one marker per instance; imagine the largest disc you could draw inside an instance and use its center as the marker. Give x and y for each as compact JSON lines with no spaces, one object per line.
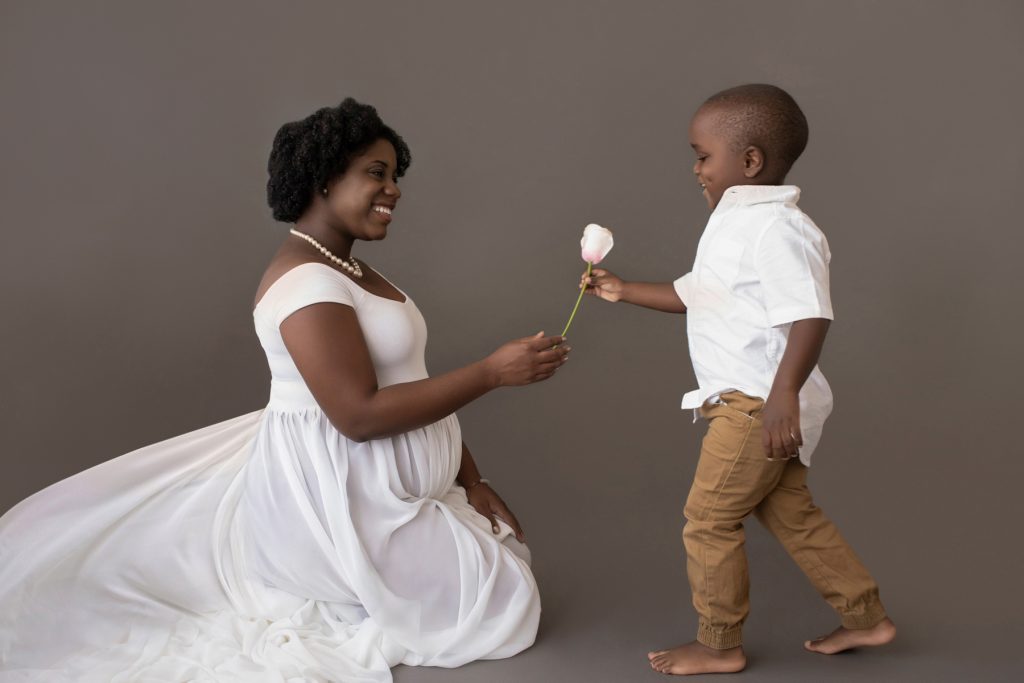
{"x":578,"y":300}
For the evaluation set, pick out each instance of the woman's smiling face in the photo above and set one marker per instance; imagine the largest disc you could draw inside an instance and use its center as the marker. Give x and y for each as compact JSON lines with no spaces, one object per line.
{"x":364,"y":196}
{"x":719,"y":166}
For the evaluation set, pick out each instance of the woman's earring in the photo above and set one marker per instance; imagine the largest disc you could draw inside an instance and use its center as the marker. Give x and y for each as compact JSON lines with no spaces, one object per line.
{"x":324,"y":191}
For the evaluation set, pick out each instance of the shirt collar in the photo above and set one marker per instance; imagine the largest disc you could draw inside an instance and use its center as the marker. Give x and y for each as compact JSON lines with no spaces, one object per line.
{"x":745,"y":195}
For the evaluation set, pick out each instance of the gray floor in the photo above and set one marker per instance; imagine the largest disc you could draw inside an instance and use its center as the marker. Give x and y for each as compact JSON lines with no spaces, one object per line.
{"x":609,"y":560}
{"x":601,"y":617}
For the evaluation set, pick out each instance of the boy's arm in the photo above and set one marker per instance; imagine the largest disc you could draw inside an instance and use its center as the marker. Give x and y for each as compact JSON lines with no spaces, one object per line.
{"x":781,"y":433}
{"x":661,"y":296}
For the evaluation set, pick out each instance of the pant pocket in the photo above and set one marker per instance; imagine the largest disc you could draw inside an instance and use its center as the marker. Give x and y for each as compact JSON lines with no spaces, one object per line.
{"x":748,"y":406}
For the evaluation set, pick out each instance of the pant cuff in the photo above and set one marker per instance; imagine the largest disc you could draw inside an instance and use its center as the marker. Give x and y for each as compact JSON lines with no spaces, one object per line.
{"x":870,"y":615}
{"x":719,"y":639}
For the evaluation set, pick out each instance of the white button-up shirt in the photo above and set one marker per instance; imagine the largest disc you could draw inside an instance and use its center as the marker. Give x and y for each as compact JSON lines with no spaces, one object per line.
{"x":761,"y":264}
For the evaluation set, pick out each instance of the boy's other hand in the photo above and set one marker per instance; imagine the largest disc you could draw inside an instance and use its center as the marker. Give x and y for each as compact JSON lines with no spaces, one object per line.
{"x":602,"y":283}
{"x":780,"y":419}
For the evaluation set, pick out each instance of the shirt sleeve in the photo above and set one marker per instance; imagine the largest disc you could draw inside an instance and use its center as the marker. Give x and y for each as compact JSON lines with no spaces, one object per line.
{"x":792,"y":260}
{"x":310,"y":284}
{"x":682,"y":287}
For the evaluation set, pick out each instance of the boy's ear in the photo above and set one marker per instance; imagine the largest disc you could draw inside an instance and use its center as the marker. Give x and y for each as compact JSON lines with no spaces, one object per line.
{"x":753,"y":161}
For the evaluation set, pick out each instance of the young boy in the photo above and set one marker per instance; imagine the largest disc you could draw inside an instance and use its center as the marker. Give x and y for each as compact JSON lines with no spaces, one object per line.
{"x":758,"y":309}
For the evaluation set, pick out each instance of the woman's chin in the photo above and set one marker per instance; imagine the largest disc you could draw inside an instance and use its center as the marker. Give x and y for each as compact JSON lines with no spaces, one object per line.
{"x":374,"y":234}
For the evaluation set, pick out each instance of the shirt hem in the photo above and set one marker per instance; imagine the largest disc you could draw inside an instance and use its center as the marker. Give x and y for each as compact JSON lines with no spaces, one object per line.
{"x":790,"y":315}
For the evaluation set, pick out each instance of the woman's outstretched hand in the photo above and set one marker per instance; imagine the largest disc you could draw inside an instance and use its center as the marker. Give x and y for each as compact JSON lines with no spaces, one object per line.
{"x":488,"y":503}
{"x":527,"y":360}
{"x":603,"y":284}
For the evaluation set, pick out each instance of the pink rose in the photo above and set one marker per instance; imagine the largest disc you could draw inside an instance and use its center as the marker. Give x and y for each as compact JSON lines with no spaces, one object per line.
{"x":596,"y":243}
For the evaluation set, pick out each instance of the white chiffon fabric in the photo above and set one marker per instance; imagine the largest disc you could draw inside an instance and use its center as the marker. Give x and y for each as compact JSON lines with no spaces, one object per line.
{"x":268,"y":547}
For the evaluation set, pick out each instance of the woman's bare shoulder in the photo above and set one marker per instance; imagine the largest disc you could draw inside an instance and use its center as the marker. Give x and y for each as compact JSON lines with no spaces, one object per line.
{"x":282,"y":262}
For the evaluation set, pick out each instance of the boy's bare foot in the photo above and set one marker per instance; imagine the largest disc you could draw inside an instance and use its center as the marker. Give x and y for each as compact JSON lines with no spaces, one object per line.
{"x":848,"y":638}
{"x":694,"y":658}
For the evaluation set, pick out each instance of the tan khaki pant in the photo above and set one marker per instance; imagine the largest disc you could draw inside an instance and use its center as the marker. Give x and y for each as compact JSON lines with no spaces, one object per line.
{"x":733,"y":479}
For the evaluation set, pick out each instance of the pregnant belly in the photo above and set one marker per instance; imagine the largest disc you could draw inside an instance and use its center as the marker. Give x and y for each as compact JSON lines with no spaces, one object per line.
{"x":313,"y":498}
{"x":426,"y":461}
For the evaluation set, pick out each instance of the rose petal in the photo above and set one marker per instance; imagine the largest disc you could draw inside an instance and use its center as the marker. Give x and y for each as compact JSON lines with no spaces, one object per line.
{"x":596,"y":243}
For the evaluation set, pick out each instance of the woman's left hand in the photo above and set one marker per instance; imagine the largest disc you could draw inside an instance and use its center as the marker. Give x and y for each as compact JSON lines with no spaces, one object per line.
{"x":488,"y":503}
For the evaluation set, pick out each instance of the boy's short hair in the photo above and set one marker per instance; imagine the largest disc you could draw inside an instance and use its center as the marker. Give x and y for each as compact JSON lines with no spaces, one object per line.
{"x":766,"y":117}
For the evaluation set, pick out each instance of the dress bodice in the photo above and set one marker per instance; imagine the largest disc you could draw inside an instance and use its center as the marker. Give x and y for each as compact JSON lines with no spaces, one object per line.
{"x":395,"y":331}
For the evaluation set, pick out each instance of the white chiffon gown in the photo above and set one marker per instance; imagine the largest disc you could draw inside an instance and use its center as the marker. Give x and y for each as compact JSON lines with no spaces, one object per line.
{"x":268,"y":547}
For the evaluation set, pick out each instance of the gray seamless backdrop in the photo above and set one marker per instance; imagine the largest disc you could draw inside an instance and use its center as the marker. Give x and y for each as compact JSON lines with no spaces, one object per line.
{"x":134,"y":141}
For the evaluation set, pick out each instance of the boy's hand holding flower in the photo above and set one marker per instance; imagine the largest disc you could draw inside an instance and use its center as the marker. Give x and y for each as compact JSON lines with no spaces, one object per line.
{"x":603,"y":284}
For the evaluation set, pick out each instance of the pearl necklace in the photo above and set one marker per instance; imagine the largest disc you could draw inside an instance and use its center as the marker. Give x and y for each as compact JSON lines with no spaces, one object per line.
{"x":352,"y":266}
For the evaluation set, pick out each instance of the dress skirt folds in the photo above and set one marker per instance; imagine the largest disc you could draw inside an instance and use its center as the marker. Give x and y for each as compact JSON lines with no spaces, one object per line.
{"x":268,"y":547}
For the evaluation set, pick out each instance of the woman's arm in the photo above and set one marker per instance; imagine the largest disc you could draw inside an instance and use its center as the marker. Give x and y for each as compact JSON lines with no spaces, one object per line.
{"x":469,"y":475}
{"x":327,"y":345}
{"x":483,"y":497}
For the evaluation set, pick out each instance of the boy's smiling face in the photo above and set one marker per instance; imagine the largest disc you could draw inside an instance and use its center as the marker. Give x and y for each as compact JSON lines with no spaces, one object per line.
{"x":719,"y":165}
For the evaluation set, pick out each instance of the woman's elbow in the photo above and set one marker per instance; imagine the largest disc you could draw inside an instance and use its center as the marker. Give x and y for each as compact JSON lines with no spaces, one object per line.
{"x":352,"y":429}
{"x":358,"y":421}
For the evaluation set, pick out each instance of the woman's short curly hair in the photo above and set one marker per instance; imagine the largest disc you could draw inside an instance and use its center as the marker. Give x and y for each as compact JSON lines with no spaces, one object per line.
{"x":307,"y":154}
